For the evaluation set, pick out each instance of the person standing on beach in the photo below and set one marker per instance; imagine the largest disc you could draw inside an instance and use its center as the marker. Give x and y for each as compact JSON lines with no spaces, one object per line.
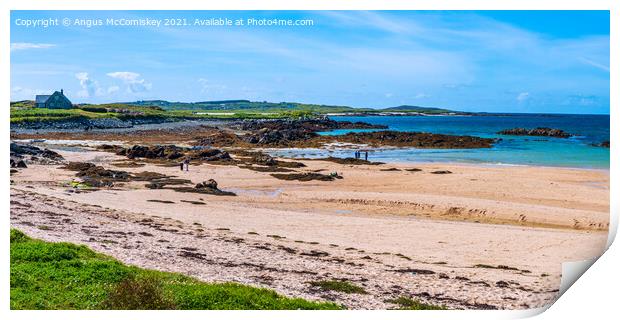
{"x":366,"y":156}
{"x":186,"y":162}
{"x":182,"y":164}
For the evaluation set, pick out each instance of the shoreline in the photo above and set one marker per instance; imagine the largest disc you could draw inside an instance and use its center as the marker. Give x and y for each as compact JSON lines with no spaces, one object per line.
{"x":395,"y":162}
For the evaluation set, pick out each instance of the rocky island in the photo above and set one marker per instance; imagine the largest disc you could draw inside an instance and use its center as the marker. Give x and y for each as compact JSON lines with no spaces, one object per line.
{"x":540,"y":131}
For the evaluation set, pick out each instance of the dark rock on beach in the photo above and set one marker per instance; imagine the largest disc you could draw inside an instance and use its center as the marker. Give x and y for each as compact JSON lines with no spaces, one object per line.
{"x":415,"y":139}
{"x":23,"y":153}
{"x":83,"y":123}
{"x":441,"y":172}
{"x":211,"y":184}
{"x":540,"y":131}
{"x":306,"y":176}
{"x":97,"y":176}
{"x":309,"y":125}
{"x":169,"y":152}
{"x":18,"y":163}
{"x":263,"y":159}
{"x":208,"y":155}
{"x":287,"y":133}
{"x":279,"y":137}
{"x":205,"y":187}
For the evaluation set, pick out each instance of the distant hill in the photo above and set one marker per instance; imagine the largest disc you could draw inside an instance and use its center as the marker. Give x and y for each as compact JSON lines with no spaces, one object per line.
{"x":407,"y":108}
{"x":264,"y":106}
{"x":234,"y":106}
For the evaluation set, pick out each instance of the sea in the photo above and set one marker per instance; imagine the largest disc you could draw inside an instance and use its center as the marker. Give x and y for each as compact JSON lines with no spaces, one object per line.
{"x":577,"y":151}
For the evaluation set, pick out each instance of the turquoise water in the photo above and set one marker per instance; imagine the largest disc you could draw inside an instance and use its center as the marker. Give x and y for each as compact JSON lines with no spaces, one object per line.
{"x":576,"y":151}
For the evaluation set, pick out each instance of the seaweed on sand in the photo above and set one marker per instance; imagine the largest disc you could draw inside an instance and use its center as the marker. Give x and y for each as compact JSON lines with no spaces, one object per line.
{"x":306,"y":176}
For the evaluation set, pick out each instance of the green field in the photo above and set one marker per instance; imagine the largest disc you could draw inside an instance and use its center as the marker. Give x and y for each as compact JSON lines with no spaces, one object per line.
{"x":25,"y":112}
{"x":48,"y":275}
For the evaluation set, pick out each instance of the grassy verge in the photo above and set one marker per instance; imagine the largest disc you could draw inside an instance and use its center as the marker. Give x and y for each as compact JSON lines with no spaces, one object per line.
{"x":48,"y":275}
{"x":340,"y":286}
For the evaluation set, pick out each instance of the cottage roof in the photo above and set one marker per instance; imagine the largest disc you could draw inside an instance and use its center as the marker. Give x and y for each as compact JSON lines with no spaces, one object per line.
{"x":41,"y":98}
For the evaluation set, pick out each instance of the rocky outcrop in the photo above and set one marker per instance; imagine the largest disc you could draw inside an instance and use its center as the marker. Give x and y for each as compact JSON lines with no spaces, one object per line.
{"x":169,"y":152}
{"x":205,"y":187}
{"x":264,"y":159}
{"x":209,"y":155}
{"x":413,"y":139}
{"x":604,"y":144}
{"x":288,"y":133}
{"x":23,"y":153}
{"x":540,"y":131}
{"x":310,"y":125}
{"x":279,"y":137}
{"x":18,"y":163}
{"x":306,"y":176}
{"x":259,"y":161}
{"x":96,"y":176}
{"x":83,"y":123}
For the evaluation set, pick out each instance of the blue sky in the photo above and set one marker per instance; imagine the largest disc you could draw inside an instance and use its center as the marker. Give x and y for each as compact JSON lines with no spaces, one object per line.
{"x":494,"y":61}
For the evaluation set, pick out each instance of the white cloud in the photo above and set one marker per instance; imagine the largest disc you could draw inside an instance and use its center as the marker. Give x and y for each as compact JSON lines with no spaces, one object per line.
{"x":89,"y":86}
{"x":523,"y":96}
{"x":421,"y":96}
{"x":125,"y":75}
{"x":135,"y":84}
{"x":27,"y":45}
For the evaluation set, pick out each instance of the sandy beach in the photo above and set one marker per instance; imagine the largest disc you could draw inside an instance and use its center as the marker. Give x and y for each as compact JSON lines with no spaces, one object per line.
{"x":477,"y":237}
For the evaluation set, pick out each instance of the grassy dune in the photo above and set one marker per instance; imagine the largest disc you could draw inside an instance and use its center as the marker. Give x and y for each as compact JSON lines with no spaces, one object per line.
{"x":48,"y":275}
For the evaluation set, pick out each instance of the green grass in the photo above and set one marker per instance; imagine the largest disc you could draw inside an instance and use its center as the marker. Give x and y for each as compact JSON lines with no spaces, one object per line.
{"x":410,"y":304}
{"x":24,"y":111}
{"x":48,"y":275}
{"x":337,"y":285}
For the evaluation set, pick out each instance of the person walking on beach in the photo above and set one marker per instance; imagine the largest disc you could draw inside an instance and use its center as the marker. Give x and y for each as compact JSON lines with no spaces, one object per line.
{"x":366,"y":156}
{"x":186,"y":162}
{"x":182,"y":165}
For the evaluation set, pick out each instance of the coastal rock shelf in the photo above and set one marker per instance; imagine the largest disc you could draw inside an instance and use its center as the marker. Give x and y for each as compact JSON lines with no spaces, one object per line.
{"x":21,"y":154}
{"x":540,"y":131}
{"x":313,"y":125}
{"x":270,"y":134}
{"x":414,"y":139}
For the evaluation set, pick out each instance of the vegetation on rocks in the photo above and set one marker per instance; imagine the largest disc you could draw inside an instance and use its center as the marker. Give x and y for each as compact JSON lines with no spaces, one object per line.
{"x":411,"y":304}
{"x":338,"y":285}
